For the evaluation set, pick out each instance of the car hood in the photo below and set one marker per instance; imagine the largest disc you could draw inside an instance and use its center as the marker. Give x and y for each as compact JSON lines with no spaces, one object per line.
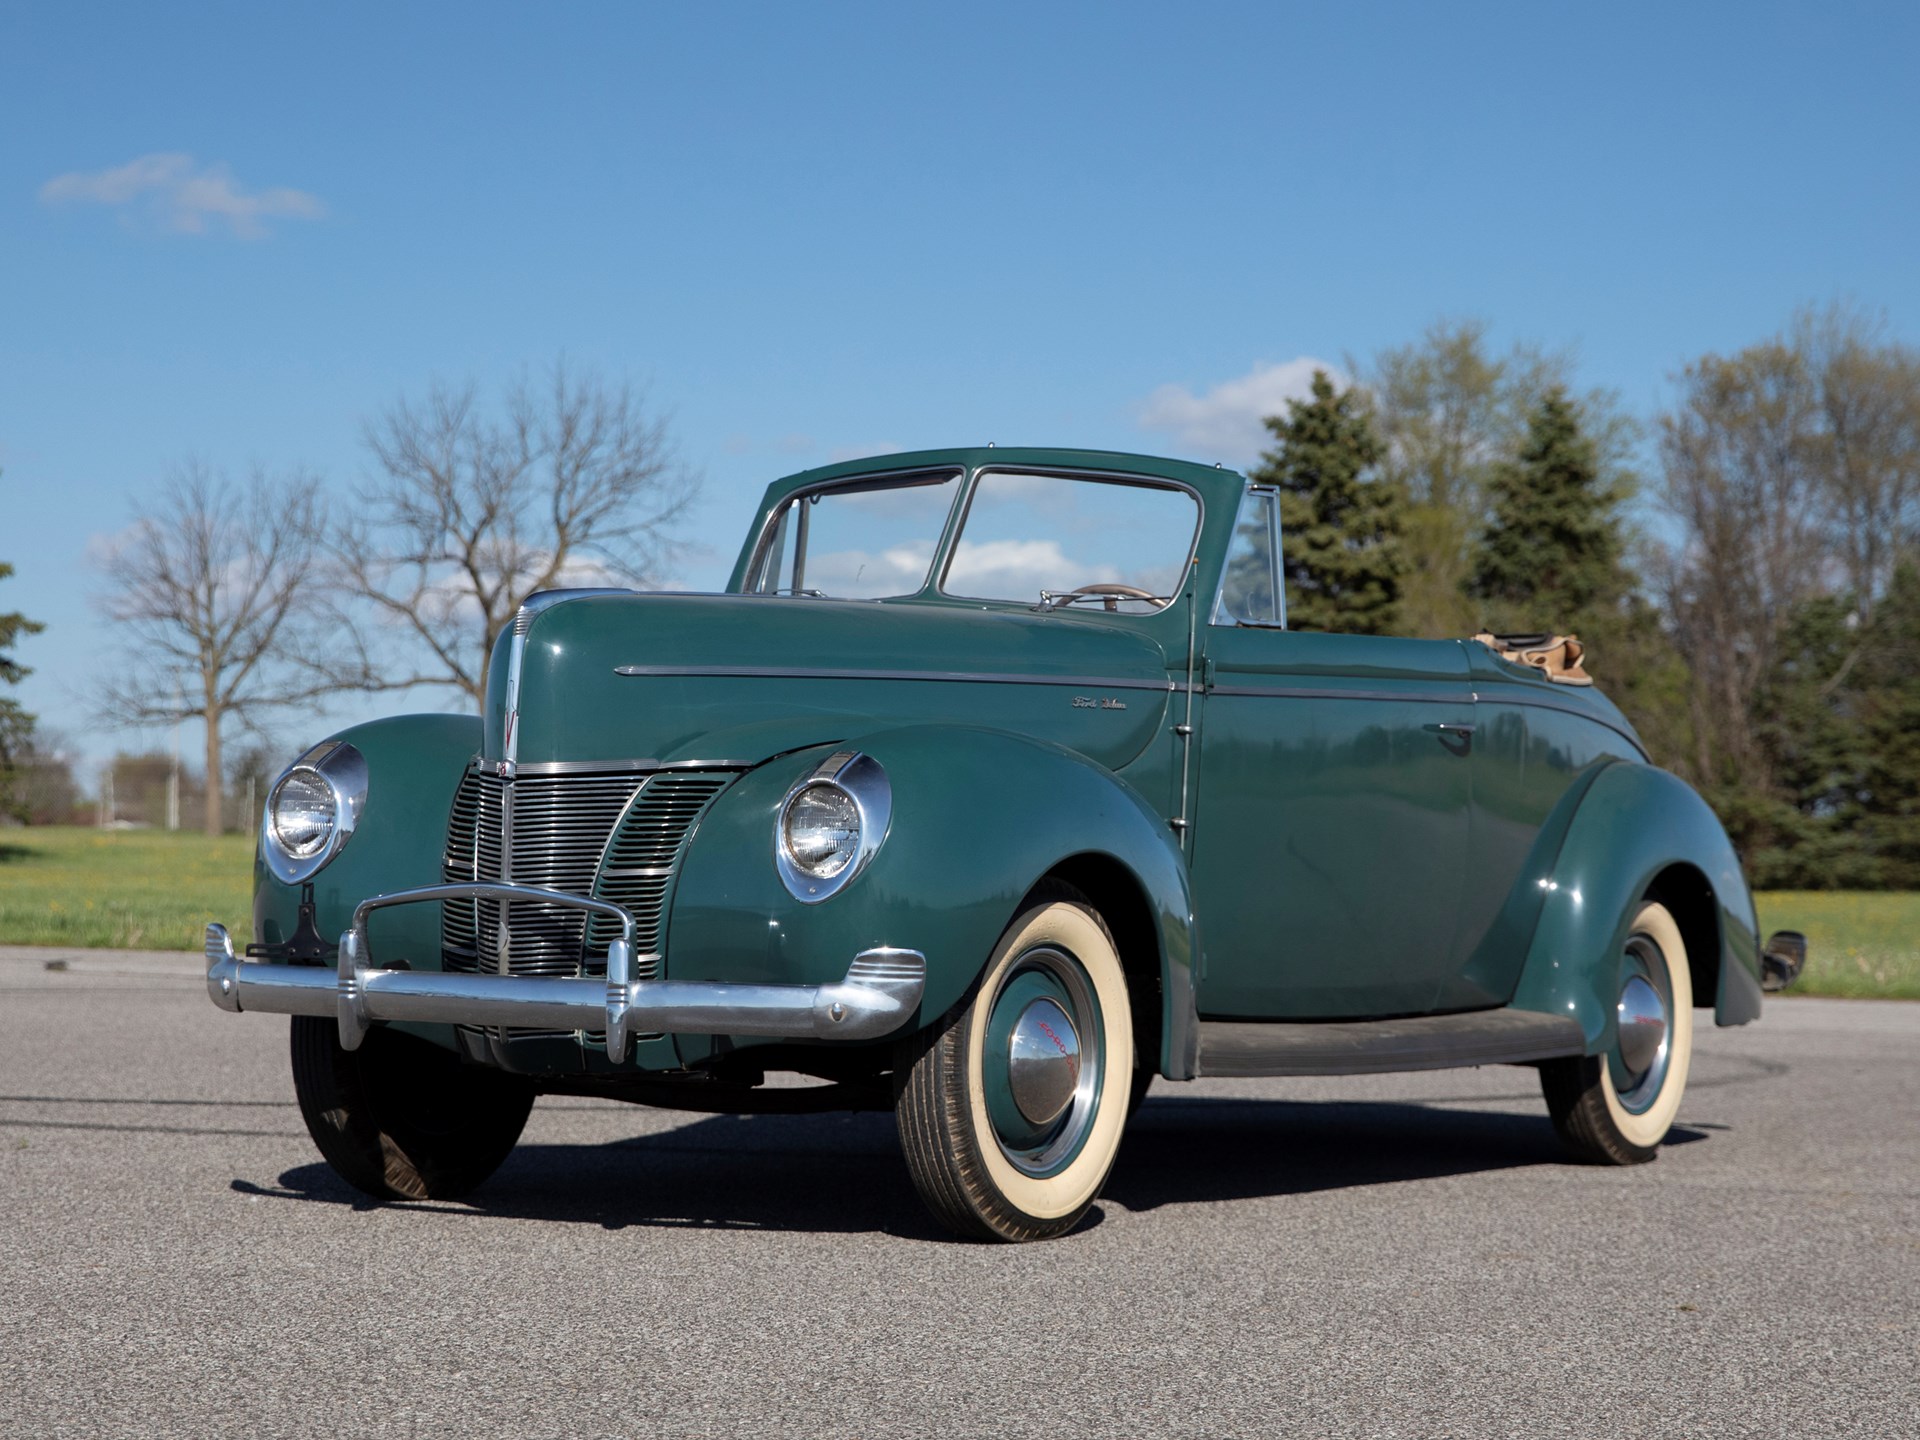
{"x":734,"y":679}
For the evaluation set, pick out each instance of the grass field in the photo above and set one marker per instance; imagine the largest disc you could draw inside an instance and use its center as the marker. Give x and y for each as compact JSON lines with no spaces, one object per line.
{"x":128,"y":889}
{"x":1858,"y":943}
{"x":146,"y":889}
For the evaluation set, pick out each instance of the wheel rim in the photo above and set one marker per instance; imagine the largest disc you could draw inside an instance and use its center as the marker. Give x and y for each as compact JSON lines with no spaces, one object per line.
{"x":1643,"y":1048}
{"x":1044,"y":1061}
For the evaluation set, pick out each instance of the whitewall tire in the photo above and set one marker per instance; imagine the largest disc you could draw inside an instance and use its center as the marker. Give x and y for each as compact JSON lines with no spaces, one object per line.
{"x":1011,"y":1108}
{"x":1616,"y":1108}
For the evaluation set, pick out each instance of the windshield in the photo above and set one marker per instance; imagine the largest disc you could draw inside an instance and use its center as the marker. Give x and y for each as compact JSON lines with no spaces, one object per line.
{"x":866,"y":540}
{"x":1064,"y":540}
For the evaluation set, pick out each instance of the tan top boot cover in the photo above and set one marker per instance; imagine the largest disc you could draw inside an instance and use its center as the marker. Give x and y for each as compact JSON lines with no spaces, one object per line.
{"x":1558,"y":655}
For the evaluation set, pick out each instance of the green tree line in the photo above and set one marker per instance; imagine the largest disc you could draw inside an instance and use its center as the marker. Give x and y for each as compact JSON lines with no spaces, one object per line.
{"x":1752,"y":601}
{"x":16,"y":725}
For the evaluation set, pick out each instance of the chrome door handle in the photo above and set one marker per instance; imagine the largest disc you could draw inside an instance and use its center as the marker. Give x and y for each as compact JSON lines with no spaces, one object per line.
{"x":1446,"y":728}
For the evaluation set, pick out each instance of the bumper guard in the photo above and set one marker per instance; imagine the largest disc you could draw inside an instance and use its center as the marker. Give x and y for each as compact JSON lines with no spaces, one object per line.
{"x":881,"y":990}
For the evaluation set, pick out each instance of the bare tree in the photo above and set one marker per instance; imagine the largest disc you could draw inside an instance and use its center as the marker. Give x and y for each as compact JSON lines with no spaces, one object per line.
{"x":1742,"y":471}
{"x":215,"y":585}
{"x":471,"y":512}
{"x":1869,"y":418}
{"x":1792,"y":470}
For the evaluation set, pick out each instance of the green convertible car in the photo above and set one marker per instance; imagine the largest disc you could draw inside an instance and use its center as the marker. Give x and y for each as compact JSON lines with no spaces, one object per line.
{"x":993,"y":786}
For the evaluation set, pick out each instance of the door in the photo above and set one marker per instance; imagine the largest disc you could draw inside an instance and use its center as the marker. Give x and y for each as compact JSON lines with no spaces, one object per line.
{"x":1331,"y":829}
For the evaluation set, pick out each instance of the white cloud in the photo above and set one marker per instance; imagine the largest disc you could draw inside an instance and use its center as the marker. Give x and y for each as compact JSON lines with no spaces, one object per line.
{"x":1224,"y":423}
{"x":1019,"y":569}
{"x":105,"y":546}
{"x":175,"y":192}
{"x":864,"y":575}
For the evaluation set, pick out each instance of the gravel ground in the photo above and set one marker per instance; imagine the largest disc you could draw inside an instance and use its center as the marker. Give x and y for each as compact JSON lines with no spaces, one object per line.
{"x":1389,"y":1256}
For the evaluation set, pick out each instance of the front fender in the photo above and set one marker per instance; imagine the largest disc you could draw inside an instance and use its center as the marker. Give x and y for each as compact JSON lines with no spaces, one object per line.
{"x":1638,"y":828}
{"x":414,"y":765}
{"x":978,"y":817}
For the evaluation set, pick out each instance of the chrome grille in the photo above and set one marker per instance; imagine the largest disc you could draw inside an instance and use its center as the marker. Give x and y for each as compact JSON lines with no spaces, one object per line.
{"x":564,"y":828}
{"x":642,"y":858}
{"x":560,"y":826}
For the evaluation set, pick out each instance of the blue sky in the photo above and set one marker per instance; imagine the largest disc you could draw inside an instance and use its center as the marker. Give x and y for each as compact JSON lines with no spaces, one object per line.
{"x":821,"y":229}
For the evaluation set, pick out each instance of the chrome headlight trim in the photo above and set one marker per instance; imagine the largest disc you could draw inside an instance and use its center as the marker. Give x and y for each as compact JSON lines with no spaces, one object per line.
{"x":862,"y":780}
{"x":343,"y":770}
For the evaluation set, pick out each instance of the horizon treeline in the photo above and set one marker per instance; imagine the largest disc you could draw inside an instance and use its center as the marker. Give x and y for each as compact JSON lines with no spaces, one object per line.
{"x":1744,"y":565}
{"x":1751,"y":600}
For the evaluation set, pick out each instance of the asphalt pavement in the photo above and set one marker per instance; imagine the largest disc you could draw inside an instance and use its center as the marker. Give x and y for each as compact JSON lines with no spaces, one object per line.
{"x":1398,"y":1256}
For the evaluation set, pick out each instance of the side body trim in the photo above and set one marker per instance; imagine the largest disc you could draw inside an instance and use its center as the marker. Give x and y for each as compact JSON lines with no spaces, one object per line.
{"x":1367,"y":1047}
{"x":1291,"y":692}
{"x":786,"y":672}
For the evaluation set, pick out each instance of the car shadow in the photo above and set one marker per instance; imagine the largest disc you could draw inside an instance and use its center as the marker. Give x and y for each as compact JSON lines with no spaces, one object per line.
{"x":844,"y":1173}
{"x":821,"y":1173}
{"x":1210,"y":1151}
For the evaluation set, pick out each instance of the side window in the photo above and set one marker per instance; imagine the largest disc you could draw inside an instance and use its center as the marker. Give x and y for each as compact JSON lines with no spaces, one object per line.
{"x":1250,"y":589}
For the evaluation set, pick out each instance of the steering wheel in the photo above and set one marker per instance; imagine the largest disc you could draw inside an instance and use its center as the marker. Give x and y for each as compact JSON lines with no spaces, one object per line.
{"x":1114,"y":594}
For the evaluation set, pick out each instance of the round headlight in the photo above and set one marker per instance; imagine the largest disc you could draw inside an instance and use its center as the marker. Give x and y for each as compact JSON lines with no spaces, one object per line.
{"x":312,"y":810}
{"x":830,"y":825}
{"x":821,"y":830}
{"x":303,"y":813}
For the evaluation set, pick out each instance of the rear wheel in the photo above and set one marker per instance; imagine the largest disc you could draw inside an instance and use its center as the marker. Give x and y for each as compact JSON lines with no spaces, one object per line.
{"x":1616,"y":1108}
{"x":403,"y":1119}
{"x":1010,"y":1110}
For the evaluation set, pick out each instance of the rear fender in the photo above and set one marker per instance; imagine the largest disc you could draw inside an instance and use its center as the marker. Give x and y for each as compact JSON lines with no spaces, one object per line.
{"x":1640,"y":833}
{"x":979,"y":816}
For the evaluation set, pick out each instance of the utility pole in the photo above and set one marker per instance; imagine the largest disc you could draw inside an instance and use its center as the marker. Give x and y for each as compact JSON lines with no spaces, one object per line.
{"x":173,"y":776}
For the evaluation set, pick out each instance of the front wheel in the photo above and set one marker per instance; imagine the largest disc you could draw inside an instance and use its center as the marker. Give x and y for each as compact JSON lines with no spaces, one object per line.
{"x":1011,"y":1109}
{"x":1615,"y":1109}
{"x":403,"y":1119}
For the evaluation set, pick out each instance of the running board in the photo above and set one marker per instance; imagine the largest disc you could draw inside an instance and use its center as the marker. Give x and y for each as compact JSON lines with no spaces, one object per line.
{"x":1369,"y":1047}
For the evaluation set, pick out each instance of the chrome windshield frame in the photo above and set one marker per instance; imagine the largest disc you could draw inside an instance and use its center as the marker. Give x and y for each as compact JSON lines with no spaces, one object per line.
{"x":773,"y":526}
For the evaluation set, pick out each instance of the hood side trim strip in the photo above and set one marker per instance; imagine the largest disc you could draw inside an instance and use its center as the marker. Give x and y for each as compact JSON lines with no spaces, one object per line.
{"x":785,"y":672}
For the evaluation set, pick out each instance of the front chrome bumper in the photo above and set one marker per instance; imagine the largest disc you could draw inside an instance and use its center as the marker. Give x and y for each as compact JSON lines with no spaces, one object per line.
{"x":881,"y":990}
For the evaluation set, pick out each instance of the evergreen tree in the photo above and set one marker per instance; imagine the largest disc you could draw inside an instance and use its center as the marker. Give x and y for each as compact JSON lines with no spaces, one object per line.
{"x":1550,"y":557}
{"x":16,"y":725}
{"x":1340,"y":523}
{"x":1801,"y":830}
{"x":1889,"y":711}
{"x":1838,"y":724}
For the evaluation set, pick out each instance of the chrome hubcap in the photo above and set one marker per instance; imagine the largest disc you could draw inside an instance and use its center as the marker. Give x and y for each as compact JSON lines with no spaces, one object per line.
{"x":1043,"y":1062}
{"x":1643,"y":1027}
